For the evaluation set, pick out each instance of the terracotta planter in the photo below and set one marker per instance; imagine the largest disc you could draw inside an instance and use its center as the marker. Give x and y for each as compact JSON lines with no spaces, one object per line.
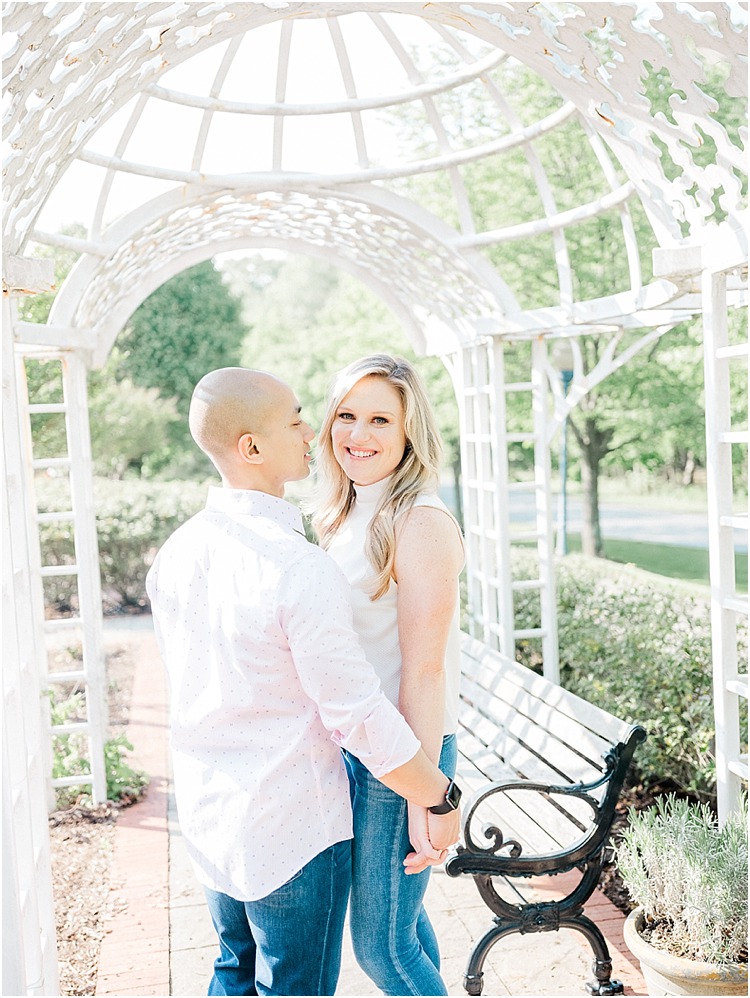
{"x":672,"y":975}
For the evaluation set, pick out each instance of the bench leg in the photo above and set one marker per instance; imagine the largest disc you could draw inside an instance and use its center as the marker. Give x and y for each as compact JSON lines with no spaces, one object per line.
{"x":474,"y":978}
{"x":602,"y":965}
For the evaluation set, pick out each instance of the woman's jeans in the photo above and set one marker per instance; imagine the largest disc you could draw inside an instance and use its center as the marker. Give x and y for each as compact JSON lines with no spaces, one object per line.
{"x":288,"y":943}
{"x":394,"y":942}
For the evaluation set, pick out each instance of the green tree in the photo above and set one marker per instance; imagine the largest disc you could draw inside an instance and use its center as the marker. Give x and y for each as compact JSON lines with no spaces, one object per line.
{"x":190,"y":325}
{"x":131,"y":426}
{"x":128,"y":423}
{"x":650,"y":411}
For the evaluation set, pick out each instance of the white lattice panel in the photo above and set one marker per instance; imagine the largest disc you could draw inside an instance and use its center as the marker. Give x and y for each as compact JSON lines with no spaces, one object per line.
{"x":412,"y":267}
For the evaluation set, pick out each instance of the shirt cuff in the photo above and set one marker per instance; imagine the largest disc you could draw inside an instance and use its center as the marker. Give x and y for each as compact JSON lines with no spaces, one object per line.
{"x":383,"y":741}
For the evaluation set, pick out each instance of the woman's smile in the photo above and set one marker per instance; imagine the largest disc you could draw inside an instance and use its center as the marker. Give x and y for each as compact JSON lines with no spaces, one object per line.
{"x":368,"y":432}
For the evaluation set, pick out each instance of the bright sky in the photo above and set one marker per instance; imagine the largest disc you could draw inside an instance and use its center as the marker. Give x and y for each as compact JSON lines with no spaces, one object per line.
{"x":166,"y":133}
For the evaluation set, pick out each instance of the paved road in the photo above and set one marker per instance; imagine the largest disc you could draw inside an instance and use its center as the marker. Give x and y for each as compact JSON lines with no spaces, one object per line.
{"x":622,"y":522}
{"x":655,"y":526}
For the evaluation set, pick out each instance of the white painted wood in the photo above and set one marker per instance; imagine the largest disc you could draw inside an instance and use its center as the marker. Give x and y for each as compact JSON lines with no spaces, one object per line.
{"x":277,"y":179}
{"x":87,"y":558}
{"x":501,"y":511}
{"x":29,"y":931}
{"x":433,"y":275}
{"x":23,"y":275}
{"x":725,"y":602}
{"x":567,"y":703}
{"x":561,"y":220}
{"x":34,"y":334}
{"x":352,"y":105}
{"x":545,"y":531}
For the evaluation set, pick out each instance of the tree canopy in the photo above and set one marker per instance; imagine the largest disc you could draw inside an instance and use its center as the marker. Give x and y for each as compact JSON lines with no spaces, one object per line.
{"x":187,"y":327}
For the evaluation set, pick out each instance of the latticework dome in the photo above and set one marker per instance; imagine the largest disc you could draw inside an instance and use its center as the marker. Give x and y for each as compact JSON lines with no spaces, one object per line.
{"x":226,"y":125}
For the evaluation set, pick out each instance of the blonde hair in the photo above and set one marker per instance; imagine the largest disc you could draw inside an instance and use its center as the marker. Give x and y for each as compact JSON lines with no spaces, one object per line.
{"x":418,"y":470}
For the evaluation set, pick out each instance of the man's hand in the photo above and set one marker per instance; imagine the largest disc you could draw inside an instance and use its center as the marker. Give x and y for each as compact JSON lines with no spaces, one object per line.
{"x":425,"y":854}
{"x":444,"y":830}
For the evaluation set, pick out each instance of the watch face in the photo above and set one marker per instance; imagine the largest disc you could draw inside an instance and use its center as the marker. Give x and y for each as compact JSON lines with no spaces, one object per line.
{"x":453,"y":796}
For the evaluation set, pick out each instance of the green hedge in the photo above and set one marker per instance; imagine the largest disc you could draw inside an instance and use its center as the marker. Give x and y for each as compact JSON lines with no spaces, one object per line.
{"x":636,"y":647}
{"x":134,"y":517}
{"x":641,"y":650}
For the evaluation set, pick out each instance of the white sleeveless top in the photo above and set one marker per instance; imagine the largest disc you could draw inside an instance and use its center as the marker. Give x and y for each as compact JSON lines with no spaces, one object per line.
{"x":375,"y":620}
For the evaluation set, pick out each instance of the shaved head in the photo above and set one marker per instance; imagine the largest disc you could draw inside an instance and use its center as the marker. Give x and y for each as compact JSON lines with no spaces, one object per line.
{"x":230,"y":402}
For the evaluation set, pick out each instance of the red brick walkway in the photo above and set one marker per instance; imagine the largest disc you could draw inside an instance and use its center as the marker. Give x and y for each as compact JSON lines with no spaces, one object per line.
{"x":134,"y":957}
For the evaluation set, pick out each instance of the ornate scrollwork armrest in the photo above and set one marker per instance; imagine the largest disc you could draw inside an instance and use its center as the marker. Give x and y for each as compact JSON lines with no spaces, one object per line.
{"x":491,"y":831}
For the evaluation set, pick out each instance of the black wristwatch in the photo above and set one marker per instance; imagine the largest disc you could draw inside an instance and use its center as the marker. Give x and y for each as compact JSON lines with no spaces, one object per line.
{"x":452,"y":797}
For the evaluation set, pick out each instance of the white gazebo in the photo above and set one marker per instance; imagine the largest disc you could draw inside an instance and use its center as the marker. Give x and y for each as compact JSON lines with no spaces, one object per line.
{"x":184,"y":130}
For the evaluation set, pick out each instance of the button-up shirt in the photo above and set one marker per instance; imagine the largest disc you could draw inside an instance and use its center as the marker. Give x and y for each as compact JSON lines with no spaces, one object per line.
{"x":267,"y":680}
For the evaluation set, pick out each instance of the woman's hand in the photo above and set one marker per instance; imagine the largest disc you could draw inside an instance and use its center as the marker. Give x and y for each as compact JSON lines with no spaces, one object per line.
{"x":444,"y":830}
{"x":425,"y":854}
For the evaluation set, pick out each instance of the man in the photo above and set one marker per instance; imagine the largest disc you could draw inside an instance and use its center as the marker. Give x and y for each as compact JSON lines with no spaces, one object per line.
{"x":267,"y":681}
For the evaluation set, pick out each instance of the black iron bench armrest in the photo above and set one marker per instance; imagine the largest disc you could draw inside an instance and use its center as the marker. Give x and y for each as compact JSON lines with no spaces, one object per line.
{"x":476,"y":859}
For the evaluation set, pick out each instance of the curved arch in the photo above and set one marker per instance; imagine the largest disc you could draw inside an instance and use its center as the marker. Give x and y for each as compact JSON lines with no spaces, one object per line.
{"x":190,"y":258}
{"x":439,"y":293}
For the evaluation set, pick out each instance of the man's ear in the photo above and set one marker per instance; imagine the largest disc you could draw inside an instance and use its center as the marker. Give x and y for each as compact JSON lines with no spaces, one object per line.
{"x":248,"y":450}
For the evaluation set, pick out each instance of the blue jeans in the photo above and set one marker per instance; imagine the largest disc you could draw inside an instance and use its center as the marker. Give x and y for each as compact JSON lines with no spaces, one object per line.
{"x":288,"y":943}
{"x":393,"y":940}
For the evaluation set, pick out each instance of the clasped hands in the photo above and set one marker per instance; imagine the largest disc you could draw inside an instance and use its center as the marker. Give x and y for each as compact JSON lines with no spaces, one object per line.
{"x":431,"y":835}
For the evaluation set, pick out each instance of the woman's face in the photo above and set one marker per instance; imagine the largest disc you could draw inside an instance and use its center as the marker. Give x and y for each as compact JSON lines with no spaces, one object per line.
{"x":368,"y":431}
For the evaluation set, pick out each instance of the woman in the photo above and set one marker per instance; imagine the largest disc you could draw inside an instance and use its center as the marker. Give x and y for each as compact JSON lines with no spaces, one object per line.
{"x":379,"y":516}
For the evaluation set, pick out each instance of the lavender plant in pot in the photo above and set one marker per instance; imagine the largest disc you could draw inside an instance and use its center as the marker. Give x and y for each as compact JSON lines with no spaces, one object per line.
{"x":688,"y":878}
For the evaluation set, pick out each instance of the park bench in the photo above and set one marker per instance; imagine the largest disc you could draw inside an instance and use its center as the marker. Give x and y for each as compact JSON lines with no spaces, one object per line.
{"x":542,"y":771}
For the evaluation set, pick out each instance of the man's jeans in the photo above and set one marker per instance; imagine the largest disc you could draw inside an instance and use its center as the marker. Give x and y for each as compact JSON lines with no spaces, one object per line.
{"x":393,"y":938}
{"x":288,"y":943}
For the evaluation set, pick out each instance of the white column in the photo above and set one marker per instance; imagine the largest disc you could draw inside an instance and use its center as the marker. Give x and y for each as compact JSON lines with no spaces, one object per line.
{"x":724,"y":599}
{"x":27,"y":875}
{"x":544,"y":526}
{"x":499,"y":446}
{"x":87,"y":559}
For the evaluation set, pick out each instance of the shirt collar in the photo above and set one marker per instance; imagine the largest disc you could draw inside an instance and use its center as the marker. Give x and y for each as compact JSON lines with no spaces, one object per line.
{"x":246,"y":502}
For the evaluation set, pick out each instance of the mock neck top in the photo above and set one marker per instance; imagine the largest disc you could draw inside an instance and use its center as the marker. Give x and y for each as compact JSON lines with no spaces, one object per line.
{"x":376,"y":622}
{"x":370,"y":495}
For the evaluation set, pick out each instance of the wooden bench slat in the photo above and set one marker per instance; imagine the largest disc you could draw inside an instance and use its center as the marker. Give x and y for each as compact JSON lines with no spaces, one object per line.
{"x":569,"y":765}
{"x":567,"y":818}
{"x":534,"y":821}
{"x":517,"y":757}
{"x":548,"y":717}
{"x":595,"y":718}
{"x":538,"y":832}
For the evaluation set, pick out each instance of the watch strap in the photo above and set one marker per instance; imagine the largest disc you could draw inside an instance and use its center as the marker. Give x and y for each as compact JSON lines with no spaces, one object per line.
{"x":450,"y":803}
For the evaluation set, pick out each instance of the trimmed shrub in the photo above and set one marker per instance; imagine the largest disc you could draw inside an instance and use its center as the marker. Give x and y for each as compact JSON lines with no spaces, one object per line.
{"x":134,"y":517}
{"x":642,"y":651}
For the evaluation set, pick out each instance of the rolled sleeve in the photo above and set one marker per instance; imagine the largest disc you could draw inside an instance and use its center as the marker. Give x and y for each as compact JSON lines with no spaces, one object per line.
{"x":316,"y":617}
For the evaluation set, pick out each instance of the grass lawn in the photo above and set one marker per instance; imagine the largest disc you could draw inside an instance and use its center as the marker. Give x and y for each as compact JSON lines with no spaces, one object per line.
{"x":686,"y":563}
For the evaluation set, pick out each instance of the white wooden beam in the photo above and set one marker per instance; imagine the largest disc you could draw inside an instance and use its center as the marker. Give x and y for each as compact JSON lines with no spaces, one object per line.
{"x":26,"y":276}
{"x":67,"y":338}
